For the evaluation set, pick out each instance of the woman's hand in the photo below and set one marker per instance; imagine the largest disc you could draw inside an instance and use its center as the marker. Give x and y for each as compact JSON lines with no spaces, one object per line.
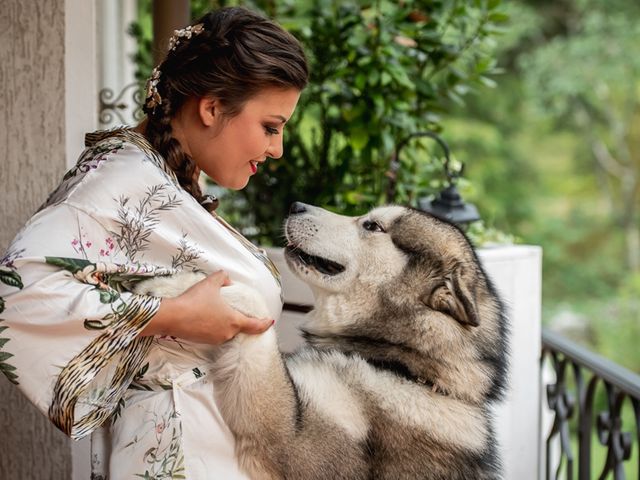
{"x":201,"y":315}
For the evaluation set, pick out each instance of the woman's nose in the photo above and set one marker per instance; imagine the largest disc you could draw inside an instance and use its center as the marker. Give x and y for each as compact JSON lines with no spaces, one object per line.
{"x":275,"y":148}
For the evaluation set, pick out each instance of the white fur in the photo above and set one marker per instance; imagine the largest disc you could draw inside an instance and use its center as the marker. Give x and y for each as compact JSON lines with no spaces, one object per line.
{"x":448,"y":419}
{"x":325,"y":391}
{"x":168,"y":286}
{"x":241,"y":297}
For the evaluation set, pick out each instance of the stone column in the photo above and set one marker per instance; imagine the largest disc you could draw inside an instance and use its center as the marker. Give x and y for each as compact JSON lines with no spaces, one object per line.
{"x":46,"y":103}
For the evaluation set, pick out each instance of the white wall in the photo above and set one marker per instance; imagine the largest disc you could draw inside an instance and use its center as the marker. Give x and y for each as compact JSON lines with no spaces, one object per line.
{"x":115,"y":66}
{"x":80,"y":75}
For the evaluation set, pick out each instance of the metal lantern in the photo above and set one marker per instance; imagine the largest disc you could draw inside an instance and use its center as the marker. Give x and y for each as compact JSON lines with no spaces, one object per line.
{"x":448,"y":204}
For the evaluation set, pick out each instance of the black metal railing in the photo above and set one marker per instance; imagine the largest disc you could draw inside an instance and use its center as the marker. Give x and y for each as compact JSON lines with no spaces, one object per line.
{"x":596,"y":407}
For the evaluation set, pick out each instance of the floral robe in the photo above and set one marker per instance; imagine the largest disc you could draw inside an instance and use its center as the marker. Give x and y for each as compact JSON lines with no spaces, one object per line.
{"x":69,"y":327}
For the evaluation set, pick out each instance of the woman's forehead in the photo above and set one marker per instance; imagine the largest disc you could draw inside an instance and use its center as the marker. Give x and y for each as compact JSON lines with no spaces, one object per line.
{"x":276,"y":103}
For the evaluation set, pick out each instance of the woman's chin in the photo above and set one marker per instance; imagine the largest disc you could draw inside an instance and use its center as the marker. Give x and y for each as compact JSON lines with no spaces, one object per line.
{"x":237,"y":185}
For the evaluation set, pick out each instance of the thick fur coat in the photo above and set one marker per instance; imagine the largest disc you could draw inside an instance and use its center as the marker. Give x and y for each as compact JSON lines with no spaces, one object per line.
{"x":406,"y":350}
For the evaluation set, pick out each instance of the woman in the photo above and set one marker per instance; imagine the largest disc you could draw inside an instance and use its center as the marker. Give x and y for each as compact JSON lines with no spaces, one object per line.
{"x":83,"y":348}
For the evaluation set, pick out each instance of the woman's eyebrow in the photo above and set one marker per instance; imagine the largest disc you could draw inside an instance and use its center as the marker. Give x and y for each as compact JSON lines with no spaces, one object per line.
{"x":279,"y":117}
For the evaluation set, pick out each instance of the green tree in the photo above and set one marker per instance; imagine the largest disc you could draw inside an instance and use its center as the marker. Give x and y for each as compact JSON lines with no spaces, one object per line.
{"x":588,"y":80}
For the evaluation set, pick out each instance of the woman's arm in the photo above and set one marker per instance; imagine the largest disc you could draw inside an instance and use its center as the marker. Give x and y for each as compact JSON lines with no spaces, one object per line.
{"x":201,"y":315}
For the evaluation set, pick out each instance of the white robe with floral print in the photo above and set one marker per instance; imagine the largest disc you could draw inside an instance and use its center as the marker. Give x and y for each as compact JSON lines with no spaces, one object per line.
{"x":69,"y":327}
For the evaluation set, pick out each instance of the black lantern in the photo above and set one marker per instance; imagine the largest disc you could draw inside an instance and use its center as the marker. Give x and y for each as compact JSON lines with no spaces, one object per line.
{"x":448,"y":204}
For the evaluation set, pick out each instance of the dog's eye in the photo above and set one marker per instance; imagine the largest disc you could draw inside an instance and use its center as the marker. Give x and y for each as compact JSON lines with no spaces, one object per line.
{"x":372,"y":226}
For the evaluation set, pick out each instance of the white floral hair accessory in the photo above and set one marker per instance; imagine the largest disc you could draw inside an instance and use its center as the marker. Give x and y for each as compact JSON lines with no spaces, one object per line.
{"x":153,"y":98}
{"x":186,"y":32}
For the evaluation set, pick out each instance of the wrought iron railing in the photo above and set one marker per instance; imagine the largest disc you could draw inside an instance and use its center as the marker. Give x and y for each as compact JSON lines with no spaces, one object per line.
{"x":595,"y":403}
{"x":124,"y":107}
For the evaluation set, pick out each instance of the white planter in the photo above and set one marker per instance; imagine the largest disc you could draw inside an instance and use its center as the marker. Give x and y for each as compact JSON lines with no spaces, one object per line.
{"x":516,"y":271}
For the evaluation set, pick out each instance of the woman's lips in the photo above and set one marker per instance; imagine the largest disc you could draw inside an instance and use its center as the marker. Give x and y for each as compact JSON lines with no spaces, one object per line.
{"x":254,"y":166}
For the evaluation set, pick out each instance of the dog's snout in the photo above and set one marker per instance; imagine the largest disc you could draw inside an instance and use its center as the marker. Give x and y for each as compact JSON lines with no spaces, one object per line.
{"x":297,"y":207}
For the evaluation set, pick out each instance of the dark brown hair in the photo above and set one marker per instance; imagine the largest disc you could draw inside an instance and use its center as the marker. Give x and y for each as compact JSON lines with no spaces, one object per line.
{"x":238,"y":54}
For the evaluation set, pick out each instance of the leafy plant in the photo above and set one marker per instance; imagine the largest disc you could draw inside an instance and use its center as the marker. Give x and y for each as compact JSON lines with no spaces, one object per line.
{"x":379,"y":71}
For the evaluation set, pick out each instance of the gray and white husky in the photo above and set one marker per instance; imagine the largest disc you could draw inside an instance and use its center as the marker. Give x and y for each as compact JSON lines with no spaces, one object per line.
{"x":406,"y":350}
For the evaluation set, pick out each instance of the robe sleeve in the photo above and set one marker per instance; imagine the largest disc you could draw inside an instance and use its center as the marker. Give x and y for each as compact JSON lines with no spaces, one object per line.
{"x":69,"y":329}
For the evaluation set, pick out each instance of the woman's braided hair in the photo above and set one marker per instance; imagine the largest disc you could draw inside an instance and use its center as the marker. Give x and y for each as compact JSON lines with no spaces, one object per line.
{"x":235,"y":55}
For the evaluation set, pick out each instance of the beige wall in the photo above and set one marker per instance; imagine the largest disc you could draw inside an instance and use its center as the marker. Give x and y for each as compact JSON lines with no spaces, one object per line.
{"x":32,"y":160}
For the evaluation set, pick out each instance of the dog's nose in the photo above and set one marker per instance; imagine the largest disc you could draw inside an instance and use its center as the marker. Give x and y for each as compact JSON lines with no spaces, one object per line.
{"x":297,"y":207}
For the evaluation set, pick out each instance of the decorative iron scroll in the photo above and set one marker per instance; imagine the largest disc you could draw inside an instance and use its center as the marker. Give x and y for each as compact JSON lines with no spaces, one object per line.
{"x":129,"y":100}
{"x":584,"y":381}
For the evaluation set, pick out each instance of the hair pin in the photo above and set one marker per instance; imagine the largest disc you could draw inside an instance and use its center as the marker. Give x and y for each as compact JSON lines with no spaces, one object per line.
{"x":183,"y":33}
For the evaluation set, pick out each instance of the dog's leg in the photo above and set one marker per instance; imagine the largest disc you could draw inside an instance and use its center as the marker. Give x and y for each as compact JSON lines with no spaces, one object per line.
{"x":254,"y":392}
{"x":285,"y":429}
{"x":257,"y":400}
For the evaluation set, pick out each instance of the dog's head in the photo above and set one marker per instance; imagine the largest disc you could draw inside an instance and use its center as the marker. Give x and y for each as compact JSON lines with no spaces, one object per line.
{"x":405,"y":279}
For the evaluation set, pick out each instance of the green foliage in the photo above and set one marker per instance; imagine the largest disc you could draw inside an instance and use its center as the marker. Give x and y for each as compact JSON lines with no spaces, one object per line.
{"x":588,"y":81}
{"x":591,"y":70}
{"x":380,"y":70}
{"x":142,"y":32}
{"x":615,"y":323}
{"x":72,"y":265}
{"x":569,"y":84}
{"x":482,"y":235}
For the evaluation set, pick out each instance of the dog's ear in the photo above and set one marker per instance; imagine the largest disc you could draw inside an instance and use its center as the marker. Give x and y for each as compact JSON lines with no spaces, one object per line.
{"x":456,"y":297}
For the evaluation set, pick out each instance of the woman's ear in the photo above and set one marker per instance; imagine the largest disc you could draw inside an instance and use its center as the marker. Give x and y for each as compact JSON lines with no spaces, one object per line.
{"x":208,"y":110}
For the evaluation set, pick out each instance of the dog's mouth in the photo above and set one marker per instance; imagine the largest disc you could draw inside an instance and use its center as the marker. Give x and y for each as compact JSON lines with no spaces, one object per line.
{"x":322,"y":265}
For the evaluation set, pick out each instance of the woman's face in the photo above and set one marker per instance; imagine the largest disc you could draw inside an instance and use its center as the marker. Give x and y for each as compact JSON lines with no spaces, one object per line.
{"x":230,"y":150}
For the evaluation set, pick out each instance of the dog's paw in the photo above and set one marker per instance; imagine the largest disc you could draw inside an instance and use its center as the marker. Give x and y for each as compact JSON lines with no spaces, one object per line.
{"x":169,"y":285}
{"x":245,"y":299}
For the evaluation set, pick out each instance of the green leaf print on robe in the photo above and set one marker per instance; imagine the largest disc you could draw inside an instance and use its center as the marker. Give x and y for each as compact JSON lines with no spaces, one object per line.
{"x":11,"y":278}
{"x":165,"y":458}
{"x":109,"y":281}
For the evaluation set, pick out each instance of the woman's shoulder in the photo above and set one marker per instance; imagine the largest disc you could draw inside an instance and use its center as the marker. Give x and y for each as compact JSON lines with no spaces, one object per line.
{"x":101,"y":141}
{"x":122,"y":145}
{"x":113,"y":162}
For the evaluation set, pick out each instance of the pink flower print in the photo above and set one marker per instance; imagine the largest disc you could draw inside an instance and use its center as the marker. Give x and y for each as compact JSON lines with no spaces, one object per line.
{"x":77,"y":245}
{"x":109,"y":246}
{"x":160,"y":428}
{"x":88,"y":244}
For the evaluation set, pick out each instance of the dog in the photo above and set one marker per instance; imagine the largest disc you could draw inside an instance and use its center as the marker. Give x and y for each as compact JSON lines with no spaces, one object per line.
{"x":406,"y":350}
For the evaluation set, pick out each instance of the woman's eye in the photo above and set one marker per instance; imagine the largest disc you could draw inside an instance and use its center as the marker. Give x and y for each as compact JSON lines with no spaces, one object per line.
{"x":271,"y":130}
{"x":372,"y":226}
